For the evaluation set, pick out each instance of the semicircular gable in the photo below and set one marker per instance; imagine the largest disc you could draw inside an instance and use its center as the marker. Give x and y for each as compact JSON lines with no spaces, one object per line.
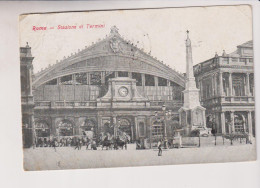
{"x":112,"y":63}
{"x":110,"y":54}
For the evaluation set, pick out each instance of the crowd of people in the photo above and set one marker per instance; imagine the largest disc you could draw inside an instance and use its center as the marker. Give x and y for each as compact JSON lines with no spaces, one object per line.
{"x":72,"y":141}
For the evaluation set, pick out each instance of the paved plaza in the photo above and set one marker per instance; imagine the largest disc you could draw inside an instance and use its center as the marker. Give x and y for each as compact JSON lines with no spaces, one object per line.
{"x":68,"y":158}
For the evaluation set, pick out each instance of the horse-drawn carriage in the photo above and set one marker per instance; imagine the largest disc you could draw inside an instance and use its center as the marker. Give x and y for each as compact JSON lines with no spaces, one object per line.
{"x":113,"y":142}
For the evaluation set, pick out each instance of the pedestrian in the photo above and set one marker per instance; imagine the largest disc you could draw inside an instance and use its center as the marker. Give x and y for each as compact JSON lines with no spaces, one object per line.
{"x":160,"y":148}
{"x":54,"y":144}
{"x":77,"y":144}
{"x":80,"y":144}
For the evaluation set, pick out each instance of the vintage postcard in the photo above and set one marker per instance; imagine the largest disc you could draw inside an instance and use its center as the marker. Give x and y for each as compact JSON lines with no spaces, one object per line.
{"x":140,"y":87}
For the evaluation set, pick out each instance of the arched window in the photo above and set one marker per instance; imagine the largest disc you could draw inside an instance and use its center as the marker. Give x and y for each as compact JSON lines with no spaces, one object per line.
{"x":239,"y":123}
{"x":88,"y":128}
{"x":125,"y":126}
{"x":42,"y":129}
{"x":65,"y":128}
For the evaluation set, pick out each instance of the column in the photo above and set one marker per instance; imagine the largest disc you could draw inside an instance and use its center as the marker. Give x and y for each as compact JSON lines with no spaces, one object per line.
{"x":130,"y":75}
{"x":223,"y":127}
{"x":116,"y":74}
{"x":88,"y":78}
{"x":136,"y":129}
{"x":115,"y":125}
{"x":168,"y":83}
{"x":99,"y":124}
{"x":220,"y":83}
{"x":232,"y":122}
{"x":53,"y":127}
{"x":165,"y":126}
{"x":230,"y":85}
{"x":156,"y":87}
{"x":213,"y":85}
{"x":33,"y":130}
{"x":149,"y":126}
{"x":249,"y":120}
{"x":248,"y":84}
{"x":201,"y":90}
{"x":30,"y":81}
{"x":143,"y":79}
{"x":58,"y":81}
{"x":102,"y":77}
{"x":73,"y":79}
{"x":77,"y":126}
{"x":155,"y":81}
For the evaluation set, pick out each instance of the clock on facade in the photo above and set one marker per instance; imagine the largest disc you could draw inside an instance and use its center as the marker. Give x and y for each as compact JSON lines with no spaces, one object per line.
{"x":123,"y":91}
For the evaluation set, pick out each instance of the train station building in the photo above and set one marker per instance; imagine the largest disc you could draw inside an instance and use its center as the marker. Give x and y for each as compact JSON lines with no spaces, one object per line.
{"x":114,"y":87}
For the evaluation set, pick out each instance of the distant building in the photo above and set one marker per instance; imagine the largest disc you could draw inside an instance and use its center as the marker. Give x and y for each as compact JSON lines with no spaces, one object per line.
{"x":226,"y":85}
{"x":26,"y":69}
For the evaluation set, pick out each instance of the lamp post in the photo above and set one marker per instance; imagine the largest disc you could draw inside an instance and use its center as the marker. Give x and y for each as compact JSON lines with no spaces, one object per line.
{"x":166,"y":114}
{"x":117,"y":127}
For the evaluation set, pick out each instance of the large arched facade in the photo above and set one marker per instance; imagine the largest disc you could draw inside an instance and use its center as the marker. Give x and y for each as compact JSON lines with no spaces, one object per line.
{"x":87,"y":87}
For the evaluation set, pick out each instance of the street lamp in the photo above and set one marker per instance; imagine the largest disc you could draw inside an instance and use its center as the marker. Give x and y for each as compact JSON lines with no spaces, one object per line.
{"x":117,"y":127}
{"x":165,"y":114}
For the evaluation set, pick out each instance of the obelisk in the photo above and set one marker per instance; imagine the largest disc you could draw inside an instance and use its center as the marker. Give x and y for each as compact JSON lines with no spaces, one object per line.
{"x":192,"y":114}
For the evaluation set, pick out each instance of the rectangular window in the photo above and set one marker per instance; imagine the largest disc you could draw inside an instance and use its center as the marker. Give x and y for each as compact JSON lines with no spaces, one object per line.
{"x":138,"y":78}
{"x":243,"y":60}
{"x":81,"y":78}
{"x":225,"y":59}
{"x":234,"y":59}
{"x":122,"y":74}
{"x":95,"y":78}
{"x":149,"y":80}
{"x":238,"y":84}
{"x":52,"y":82}
{"x":162,"y":81}
{"x":66,"y":80}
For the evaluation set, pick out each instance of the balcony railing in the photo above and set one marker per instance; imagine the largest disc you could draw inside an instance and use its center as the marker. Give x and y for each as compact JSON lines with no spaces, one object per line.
{"x":65,"y":104}
{"x":228,"y":99}
{"x":235,"y":61}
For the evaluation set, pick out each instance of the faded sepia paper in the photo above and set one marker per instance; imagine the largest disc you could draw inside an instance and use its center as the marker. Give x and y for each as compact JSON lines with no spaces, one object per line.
{"x":100,"y":78}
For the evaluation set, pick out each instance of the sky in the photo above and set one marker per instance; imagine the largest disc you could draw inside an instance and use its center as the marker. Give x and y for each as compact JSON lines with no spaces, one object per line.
{"x":161,"y":31}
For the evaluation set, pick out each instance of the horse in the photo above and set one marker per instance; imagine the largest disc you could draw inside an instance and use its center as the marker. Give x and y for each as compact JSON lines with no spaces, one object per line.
{"x":120,"y":143}
{"x":107,"y":143}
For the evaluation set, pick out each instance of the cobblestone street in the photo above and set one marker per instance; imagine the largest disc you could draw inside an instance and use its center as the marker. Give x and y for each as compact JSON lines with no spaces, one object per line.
{"x":69,"y":158}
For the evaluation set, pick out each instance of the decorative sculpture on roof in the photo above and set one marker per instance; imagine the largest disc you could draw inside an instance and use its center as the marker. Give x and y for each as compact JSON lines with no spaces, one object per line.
{"x":115,"y":45}
{"x":114,"y":30}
